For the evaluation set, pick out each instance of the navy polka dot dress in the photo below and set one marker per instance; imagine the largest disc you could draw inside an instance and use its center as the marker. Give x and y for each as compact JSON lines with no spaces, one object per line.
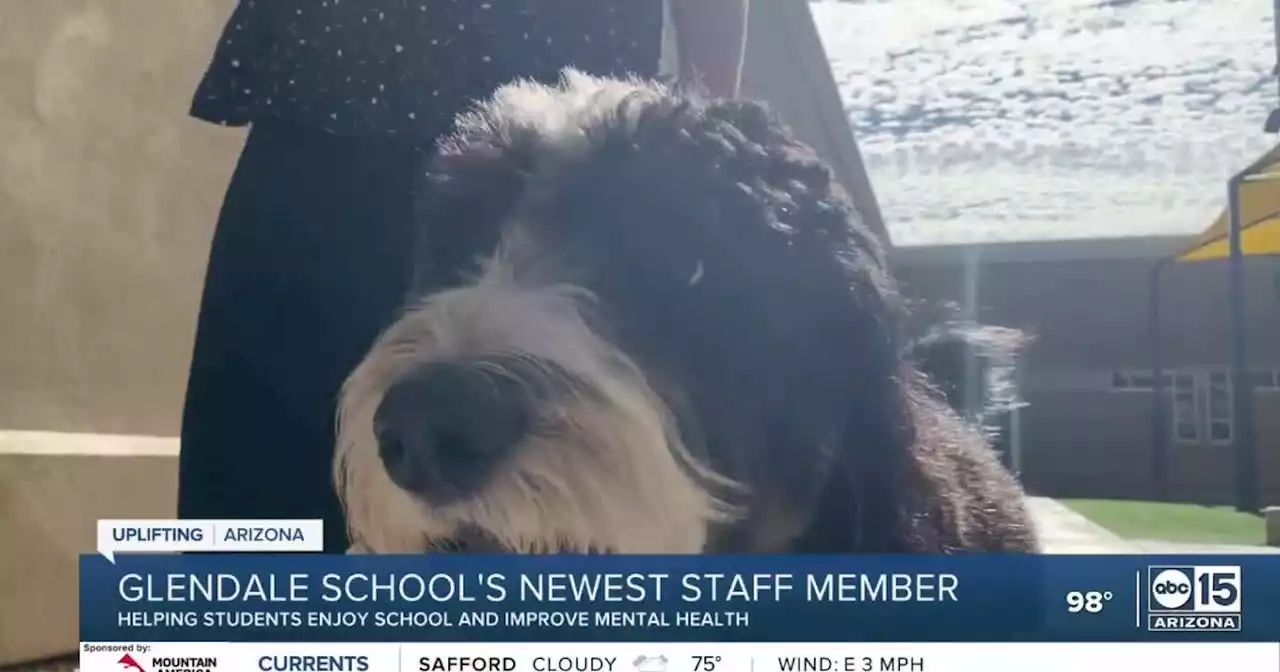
{"x":399,"y":66}
{"x":311,"y":256}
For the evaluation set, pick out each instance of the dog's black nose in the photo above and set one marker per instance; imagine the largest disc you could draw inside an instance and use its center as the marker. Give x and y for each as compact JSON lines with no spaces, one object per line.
{"x":442,"y":428}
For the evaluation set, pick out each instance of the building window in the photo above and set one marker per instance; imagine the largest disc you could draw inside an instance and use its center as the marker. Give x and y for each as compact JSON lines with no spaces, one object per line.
{"x":1220,"y":412}
{"x":1201,"y":402}
{"x":1264,"y":380}
{"x":1186,"y":419}
{"x":1137,"y":381}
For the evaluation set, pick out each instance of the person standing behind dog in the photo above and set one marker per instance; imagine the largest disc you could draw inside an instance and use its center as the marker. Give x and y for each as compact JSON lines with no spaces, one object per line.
{"x":309,"y":260}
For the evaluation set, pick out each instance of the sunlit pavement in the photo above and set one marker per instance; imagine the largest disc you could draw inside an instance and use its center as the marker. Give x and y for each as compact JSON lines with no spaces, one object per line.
{"x":1063,"y":531}
{"x":1174,"y":547}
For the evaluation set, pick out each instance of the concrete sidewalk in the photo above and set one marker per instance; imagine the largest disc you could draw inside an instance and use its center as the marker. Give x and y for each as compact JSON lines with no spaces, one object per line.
{"x":1063,"y":531}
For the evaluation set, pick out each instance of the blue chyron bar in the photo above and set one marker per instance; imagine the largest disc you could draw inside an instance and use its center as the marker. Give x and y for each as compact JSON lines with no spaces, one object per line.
{"x":304,"y":598}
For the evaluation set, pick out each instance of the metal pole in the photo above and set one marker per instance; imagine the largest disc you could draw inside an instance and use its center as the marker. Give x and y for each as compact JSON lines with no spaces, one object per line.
{"x":972,"y":386}
{"x":1015,"y":421}
{"x":1159,"y":422}
{"x":1275,"y":20}
{"x":1248,"y":497}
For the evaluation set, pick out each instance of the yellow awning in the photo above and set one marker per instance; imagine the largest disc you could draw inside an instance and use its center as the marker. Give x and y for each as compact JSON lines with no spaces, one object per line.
{"x":1259,"y":218}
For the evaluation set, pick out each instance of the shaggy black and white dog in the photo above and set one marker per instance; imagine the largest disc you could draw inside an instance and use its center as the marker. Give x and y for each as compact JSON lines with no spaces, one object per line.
{"x":662,"y":330}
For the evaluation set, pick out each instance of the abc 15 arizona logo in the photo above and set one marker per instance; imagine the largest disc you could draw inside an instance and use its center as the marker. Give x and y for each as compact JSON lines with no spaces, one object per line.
{"x":1194,"y":598}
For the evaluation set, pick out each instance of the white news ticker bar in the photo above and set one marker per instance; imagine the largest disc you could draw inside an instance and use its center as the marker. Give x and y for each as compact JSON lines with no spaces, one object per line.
{"x":176,"y":536}
{"x":683,"y":657}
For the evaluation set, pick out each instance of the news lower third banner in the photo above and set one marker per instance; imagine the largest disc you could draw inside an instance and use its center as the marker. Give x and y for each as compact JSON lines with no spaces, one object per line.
{"x":683,"y":657}
{"x":304,"y":598}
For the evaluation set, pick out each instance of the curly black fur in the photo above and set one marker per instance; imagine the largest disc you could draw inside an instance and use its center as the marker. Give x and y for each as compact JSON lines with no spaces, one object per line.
{"x":944,"y":344}
{"x":729,"y":263}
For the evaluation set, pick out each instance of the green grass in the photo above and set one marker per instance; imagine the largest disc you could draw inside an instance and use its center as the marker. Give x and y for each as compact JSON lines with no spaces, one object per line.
{"x":1188,"y":523}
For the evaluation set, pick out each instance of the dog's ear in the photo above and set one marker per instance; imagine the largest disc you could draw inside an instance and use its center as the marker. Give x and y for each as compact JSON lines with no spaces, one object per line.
{"x":977,"y":503}
{"x":906,"y":473}
{"x":934,"y":486}
{"x":854,"y":372}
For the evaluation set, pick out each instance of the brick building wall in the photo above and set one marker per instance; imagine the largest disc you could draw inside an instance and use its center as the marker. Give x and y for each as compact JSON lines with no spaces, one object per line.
{"x":1086,"y":307}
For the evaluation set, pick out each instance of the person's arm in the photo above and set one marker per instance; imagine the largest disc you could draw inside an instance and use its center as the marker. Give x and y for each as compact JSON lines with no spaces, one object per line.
{"x":711,"y":37}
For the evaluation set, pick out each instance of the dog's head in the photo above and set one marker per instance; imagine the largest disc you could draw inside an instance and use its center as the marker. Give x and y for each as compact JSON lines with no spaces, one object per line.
{"x":639,"y":321}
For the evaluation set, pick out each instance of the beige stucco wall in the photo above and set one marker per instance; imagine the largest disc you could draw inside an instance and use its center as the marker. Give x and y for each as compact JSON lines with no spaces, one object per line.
{"x":53,"y":488}
{"x":108,"y":195}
